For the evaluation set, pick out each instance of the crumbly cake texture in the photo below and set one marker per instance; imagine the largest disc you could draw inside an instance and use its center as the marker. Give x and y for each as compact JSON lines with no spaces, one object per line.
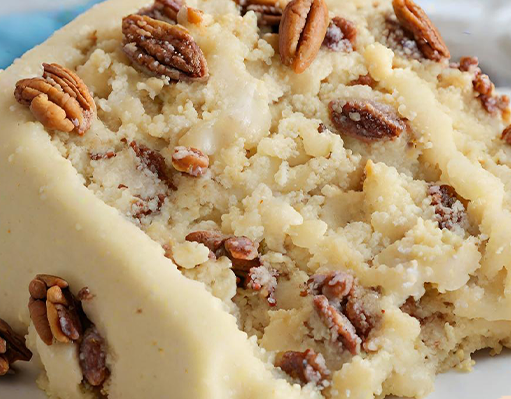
{"x":381,"y":261}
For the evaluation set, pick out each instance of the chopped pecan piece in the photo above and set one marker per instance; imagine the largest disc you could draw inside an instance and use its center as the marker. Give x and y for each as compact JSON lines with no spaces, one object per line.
{"x":264,"y":280}
{"x":399,"y":40}
{"x":341,"y":35}
{"x":145,"y":207}
{"x":243,"y":254}
{"x":12,"y":348}
{"x":163,"y":10}
{"x":302,"y":31}
{"x":468,"y":64}
{"x":105,"y":155}
{"x":307,"y":366}
{"x":214,"y":240}
{"x":414,"y":19}
{"x":59,"y":100}
{"x":54,"y":310}
{"x":364,"y":80}
{"x":334,"y":285}
{"x":160,"y":48}
{"x":267,"y":15}
{"x":322,"y":128}
{"x":152,"y":160}
{"x":449,"y":210}
{"x":190,"y":160}
{"x":366,"y":120}
{"x":484,"y":87}
{"x":339,"y":325}
{"x":93,"y":357}
{"x":506,"y":135}
{"x":363,"y":310}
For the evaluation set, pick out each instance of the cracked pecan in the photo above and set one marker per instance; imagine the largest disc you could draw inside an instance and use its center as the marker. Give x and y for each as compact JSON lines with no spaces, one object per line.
{"x":449,"y":208}
{"x":243,"y":254}
{"x":366,"y":120}
{"x":54,"y":310}
{"x":93,"y":357}
{"x":145,"y":207}
{"x":163,"y":10}
{"x":413,"y":19}
{"x":59,"y":100}
{"x":12,"y":348}
{"x":364,"y":80}
{"x":340,"y":326}
{"x":341,"y":35}
{"x":506,"y":135}
{"x":302,"y":31}
{"x":334,"y":285}
{"x":306,"y":367}
{"x":160,"y":48}
{"x":190,"y":160}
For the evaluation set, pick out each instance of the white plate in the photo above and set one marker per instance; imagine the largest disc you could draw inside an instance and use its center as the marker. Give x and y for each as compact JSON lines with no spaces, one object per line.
{"x":491,"y":379}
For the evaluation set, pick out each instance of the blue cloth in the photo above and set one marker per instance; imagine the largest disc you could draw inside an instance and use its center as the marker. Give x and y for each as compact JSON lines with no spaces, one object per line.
{"x":20,"y":32}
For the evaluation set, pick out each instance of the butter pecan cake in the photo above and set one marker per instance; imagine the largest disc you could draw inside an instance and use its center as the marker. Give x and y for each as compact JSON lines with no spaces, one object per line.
{"x":253,"y":199}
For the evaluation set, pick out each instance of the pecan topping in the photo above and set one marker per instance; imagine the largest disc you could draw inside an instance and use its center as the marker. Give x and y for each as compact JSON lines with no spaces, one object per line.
{"x":54,"y":310}
{"x":12,"y":348}
{"x":160,"y":48}
{"x":105,"y":155}
{"x":214,"y":240}
{"x":164,"y":10}
{"x":468,"y":64}
{"x":307,"y":366}
{"x":399,"y":40}
{"x":190,"y":160}
{"x":339,"y":325}
{"x":302,"y":31}
{"x":145,"y":207}
{"x":449,"y":210}
{"x":333,"y":285}
{"x":59,"y":100}
{"x":362,"y":310}
{"x":268,"y":13}
{"x":414,"y":19}
{"x":263,"y":280}
{"x":366,"y":120}
{"x":341,"y":35}
{"x":364,"y":80}
{"x":241,"y":248}
{"x":152,"y":160}
{"x":93,"y":357}
{"x":506,"y":135}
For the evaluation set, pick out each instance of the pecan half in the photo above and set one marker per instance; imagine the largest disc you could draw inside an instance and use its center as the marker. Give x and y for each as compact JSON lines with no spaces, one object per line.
{"x":93,"y":357}
{"x":366,"y":120}
{"x":190,"y":160}
{"x":414,"y":19}
{"x":341,"y":35}
{"x":164,"y":10}
{"x":302,"y":31}
{"x":339,"y":325}
{"x":449,"y":209}
{"x":54,"y":310}
{"x":12,"y":348}
{"x":160,"y":48}
{"x":334,"y":285}
{"x":506,"y":135}
{"x":306,"y":367}
{"x":59,"y":100}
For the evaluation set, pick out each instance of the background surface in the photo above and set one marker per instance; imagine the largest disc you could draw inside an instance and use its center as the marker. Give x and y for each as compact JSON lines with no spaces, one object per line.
{"x":470,"y":27}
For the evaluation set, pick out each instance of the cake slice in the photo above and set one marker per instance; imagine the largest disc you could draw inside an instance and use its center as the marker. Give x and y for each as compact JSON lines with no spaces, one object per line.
{"x":263,"y":199}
